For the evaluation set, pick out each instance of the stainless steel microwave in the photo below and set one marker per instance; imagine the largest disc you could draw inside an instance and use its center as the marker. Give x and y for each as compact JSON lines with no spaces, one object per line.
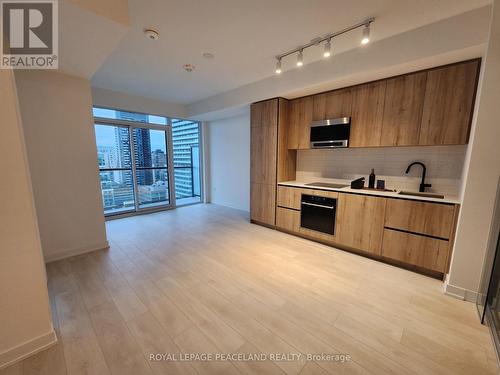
{"x":332,"y":133}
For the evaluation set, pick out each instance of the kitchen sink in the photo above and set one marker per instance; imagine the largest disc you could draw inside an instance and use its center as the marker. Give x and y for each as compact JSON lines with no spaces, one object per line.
{"x":427,"y":195}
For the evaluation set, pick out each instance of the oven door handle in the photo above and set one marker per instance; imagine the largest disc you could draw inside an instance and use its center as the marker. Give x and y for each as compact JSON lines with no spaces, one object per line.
{"x":318,"y":205}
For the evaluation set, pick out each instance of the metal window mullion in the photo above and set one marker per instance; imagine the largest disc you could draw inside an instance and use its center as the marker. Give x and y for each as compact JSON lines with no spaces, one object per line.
{"x":200,"y":162}
{"x":134,"y":171}
{"x":127,"y":123}
{"x":170,"y":163}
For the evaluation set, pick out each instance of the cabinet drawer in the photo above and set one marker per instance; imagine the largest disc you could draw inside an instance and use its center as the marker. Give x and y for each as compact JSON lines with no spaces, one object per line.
{"x":289,"y":197}
{"x":416,"y":250}
{"x":432,"y":219}
{"x":288,"y":219}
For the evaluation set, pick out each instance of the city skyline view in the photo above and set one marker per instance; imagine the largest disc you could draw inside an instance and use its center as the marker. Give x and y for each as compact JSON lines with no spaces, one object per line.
{"x":123,"y":189}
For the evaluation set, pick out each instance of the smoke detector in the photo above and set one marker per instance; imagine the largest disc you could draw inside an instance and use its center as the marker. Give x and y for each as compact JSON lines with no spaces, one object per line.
{"x":208,"y":55}
{"x":151,"y":34}
{"x":188,"y":67}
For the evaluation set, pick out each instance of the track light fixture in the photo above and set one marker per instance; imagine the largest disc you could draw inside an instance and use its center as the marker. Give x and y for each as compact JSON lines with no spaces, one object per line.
{"x":300,"y":58}
{"x":328,"y":48}
{"x":327,"y":52}
{"x":278,"y":66}
{"x":365,"y":39}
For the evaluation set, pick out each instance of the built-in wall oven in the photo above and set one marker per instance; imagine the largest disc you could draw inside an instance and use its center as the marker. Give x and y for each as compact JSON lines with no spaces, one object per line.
{"x":318,"y":213}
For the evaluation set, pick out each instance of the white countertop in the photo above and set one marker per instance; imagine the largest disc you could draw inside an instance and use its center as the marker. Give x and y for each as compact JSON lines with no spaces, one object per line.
{"x":381,"y":193}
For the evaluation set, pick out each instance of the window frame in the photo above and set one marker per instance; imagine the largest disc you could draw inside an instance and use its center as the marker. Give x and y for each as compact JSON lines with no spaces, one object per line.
{"x":167,"y":128}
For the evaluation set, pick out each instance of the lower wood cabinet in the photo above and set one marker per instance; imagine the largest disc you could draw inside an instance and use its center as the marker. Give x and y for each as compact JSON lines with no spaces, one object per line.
{"x":418,"y":250}
{"x":360,"y":222}
{"x":410,"y":232}
{"x":288,"y":219}
{"x":432,"y":219}
{"x":289,"y":197}
{"x":262,"y":203}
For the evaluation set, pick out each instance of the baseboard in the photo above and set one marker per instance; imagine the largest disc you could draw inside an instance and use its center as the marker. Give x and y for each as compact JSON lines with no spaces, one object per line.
{"x":70,"y":253}
{"x":459,"y":292}
{"x":27,"y":349}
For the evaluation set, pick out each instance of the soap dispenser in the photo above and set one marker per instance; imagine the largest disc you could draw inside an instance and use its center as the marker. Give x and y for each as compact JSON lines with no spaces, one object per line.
{"x":371,"y":179}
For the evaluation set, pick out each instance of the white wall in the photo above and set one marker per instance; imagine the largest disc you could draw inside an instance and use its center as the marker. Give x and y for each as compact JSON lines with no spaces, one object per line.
{"x":120,"y":100}
{"x":25,"y":321}
{"x":56,"y":111}
{"x":482,"y":176}
{"x":229,"y":161}
{"x":444,"y":166}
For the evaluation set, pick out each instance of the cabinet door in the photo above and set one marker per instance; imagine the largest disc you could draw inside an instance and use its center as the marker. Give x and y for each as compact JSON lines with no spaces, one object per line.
{"x":287,"y":219}
{"x":448,"y":106}
{"x":416,"y":250}
{"x":360,"y":222}
{"x":332,"y":104}
{"x":300,"y":117}
{"x":262,"y":203}
{"x":404,"y":102}
{"x":263,"y":140}
{"x":289,"y":197}
{"x":367,"y":114}
{"x":432,"y":219}
{"x":263,"y":155}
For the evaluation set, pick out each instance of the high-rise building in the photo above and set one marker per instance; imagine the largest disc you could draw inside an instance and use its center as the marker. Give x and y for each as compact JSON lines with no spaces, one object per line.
{"x":185,"y":140}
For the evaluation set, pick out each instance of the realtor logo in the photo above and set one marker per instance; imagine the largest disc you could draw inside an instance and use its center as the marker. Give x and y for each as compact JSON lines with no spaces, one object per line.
{"x":29,"y":34}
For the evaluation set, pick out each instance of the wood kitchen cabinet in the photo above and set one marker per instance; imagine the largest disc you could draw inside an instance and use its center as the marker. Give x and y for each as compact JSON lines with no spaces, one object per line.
{"x":448,"y":105}
{"x":288,"y":219}
{"x":419,"y":233}
{"x":360,"y":222}
{"x":299,"y":121}
{"x":431,"y":219}
{"x":263,"y":140}
{"x":333,"y":104}
{"x":367,"y":114}
{"x":270,"y":160}
{"x":403,"y":105}
{"x":421,"y":251}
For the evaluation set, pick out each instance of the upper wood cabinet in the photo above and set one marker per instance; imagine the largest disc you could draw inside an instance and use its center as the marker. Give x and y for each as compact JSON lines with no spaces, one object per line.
{"x":333,"y":104}
{"x":404,"y":102}
{"x":300,"y":117}
{"x":449,"y":100}
{"x":431,"y":107}
{"x":367,"y":114}
{"x":360,"y":222}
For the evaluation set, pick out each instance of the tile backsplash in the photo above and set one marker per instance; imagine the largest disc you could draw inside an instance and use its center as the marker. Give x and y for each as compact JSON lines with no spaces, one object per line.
{"x":444,"y":166}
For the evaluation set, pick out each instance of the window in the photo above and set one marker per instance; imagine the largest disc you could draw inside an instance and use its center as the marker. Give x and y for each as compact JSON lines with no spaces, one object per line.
{"x":115,"y":168}
{"x":134,"y":161}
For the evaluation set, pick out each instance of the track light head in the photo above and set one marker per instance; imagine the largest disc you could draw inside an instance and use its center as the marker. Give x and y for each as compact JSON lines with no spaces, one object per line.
{"x":278,"y":67}
{"x":300,"y":58}
{"x":328,"y":48}
{"x":365,"y":38}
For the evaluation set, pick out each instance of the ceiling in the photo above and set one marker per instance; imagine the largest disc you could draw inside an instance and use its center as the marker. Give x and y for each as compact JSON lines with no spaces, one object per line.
{"x":244,"y":36}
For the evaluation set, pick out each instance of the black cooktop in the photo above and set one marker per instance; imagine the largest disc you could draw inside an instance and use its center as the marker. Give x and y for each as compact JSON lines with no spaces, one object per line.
{"x":327,"y":185}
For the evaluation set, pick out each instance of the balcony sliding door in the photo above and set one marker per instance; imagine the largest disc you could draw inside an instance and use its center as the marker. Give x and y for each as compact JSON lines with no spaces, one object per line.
{"x":151,"y":170}
{"x":115,"y":168}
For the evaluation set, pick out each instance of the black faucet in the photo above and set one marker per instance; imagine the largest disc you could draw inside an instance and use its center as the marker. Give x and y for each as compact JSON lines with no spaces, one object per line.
{"x":423,"y":185}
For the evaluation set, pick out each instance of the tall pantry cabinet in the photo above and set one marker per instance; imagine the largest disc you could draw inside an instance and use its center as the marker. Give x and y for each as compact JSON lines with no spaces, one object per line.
{"x":270,"y":159}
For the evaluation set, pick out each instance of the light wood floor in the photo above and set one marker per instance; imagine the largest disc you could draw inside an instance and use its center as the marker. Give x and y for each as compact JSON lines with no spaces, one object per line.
{"x":203,"y":279}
